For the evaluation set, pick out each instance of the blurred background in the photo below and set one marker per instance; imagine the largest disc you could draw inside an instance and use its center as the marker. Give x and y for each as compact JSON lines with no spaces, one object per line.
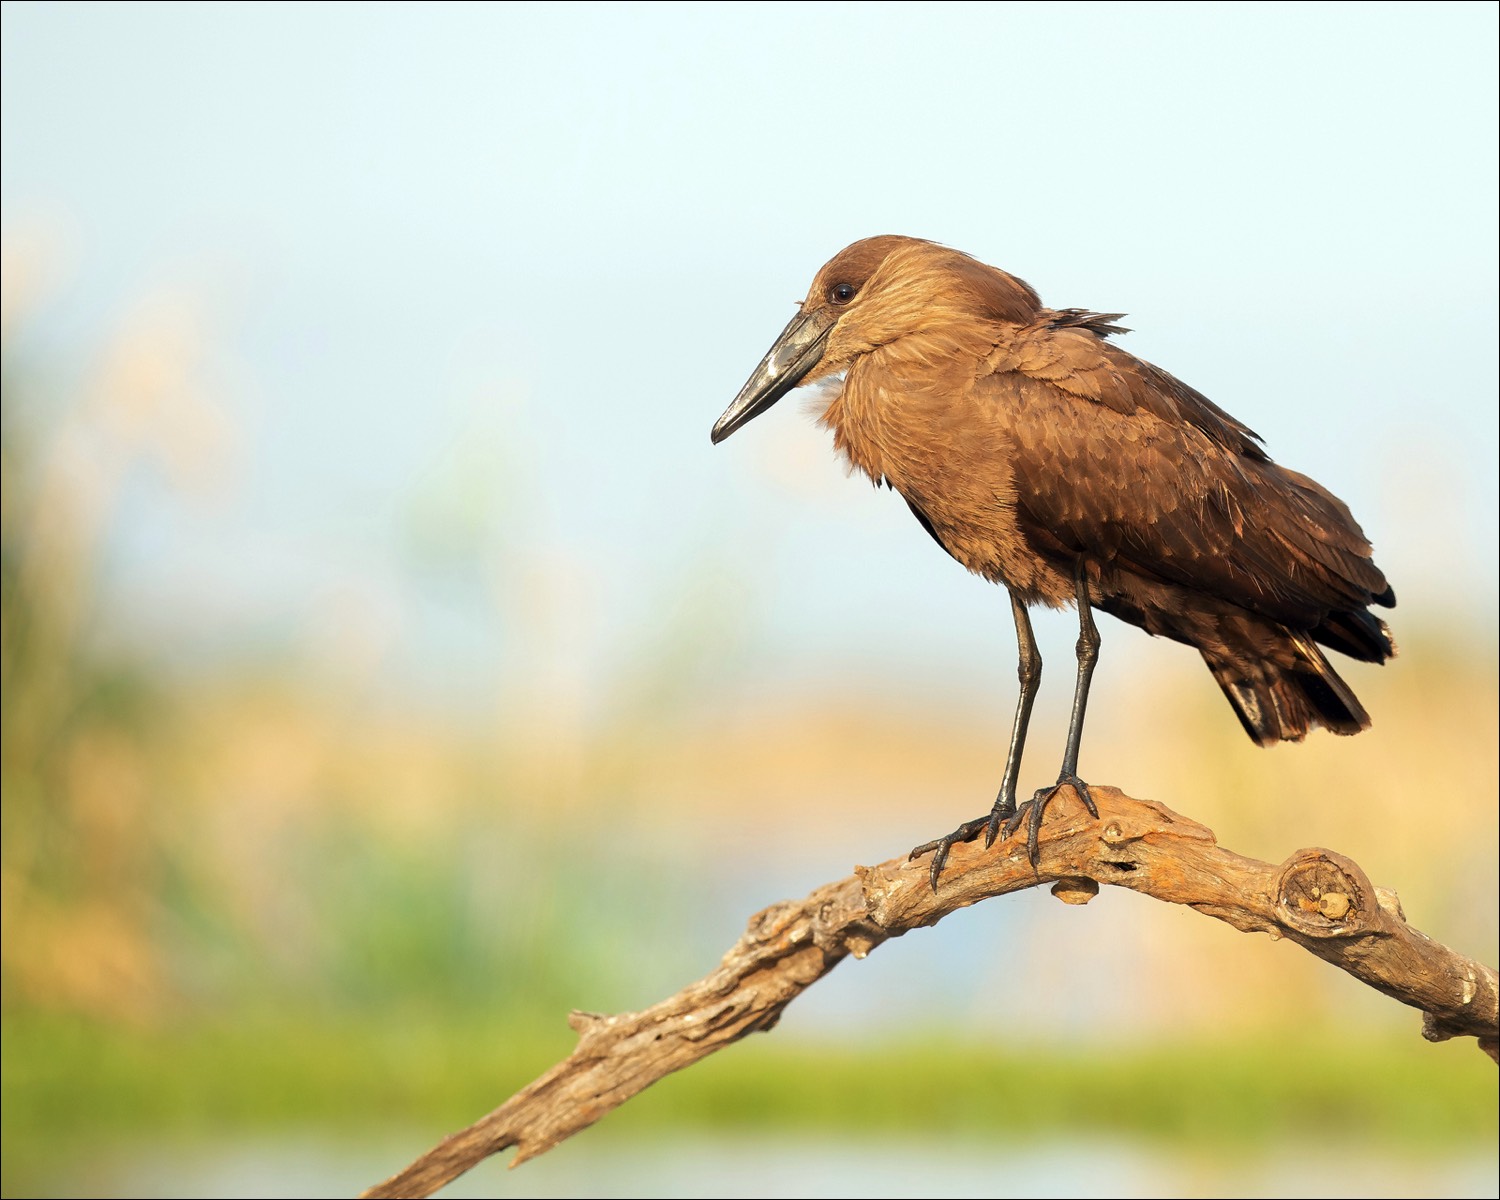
{"x":391,"y":664}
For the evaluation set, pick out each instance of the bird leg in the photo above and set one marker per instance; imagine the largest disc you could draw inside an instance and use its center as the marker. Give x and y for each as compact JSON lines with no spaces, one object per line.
{"x":1088,"y":656}
{"x":1029,"y":671}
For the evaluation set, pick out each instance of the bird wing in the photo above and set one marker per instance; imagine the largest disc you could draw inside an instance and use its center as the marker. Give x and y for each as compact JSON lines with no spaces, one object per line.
{"x":1072,"y":354}
{"x":1116,"y":460}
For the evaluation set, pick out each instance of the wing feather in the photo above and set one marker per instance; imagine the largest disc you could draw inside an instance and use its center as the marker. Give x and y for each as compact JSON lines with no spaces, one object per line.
{"x":1115,"y":459}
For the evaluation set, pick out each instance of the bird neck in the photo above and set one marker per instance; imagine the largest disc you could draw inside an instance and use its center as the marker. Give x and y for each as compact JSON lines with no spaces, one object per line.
{"x":891,"y":391}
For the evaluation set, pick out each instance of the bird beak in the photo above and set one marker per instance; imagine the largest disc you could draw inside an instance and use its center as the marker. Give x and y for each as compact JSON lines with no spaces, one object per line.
{"x":790,"y":358}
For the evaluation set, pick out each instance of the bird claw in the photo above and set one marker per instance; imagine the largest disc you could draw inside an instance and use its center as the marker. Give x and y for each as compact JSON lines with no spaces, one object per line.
{"x":1002,"y":822}
{"x":989,"y":825}
{"x":1032,"y":811}
{"x":940,"y":847}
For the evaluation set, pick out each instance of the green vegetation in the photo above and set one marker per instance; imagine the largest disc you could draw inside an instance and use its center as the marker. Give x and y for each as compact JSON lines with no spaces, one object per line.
{"x":71,"y":1084}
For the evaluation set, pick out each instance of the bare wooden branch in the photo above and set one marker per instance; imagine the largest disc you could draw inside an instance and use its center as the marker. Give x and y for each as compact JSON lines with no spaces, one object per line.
{"x":1318,"y":899}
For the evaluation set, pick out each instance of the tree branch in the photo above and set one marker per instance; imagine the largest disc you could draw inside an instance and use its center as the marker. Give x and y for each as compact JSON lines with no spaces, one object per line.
{"x":1318,"y":899}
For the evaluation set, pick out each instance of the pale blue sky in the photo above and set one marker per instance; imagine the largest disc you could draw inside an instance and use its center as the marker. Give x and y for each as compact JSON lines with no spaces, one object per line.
{"x":475,"y":281}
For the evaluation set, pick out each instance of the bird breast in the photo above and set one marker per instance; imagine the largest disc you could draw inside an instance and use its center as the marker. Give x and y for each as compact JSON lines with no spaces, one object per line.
{"x":912,"y":415}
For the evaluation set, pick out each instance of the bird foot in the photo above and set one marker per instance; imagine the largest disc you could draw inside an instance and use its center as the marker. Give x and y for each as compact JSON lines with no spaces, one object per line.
{"x":989,"y":825}
{"x":1032,"y":811}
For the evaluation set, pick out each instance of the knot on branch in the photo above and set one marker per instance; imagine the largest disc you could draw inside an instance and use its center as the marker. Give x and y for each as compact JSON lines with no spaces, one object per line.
{"x":1075,"y":890}
{"x":1124,"y":820}
{"x":1437,"y":1028}
{"x":1322,"y":894}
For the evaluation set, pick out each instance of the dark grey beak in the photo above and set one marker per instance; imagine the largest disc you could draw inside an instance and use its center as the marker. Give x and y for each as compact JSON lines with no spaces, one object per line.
{"x":791,"y":356}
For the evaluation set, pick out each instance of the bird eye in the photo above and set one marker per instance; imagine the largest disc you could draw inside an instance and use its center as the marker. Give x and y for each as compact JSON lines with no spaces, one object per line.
{"x":841,"y":293}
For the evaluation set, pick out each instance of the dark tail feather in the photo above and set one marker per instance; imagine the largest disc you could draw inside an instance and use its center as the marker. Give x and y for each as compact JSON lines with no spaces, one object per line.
{"x":1281,"y":704}
{"x":1358,"y":633}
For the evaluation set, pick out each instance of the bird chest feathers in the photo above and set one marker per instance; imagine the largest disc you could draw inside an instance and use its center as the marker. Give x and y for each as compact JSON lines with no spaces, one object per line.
{"x":915,"y":414}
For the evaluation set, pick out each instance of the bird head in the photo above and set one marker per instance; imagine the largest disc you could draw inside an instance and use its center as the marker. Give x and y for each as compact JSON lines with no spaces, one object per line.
{"x":869,"y":294}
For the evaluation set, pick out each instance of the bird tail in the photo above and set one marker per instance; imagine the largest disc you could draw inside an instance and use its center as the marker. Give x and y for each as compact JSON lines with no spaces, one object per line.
{"x":1280,"y":698}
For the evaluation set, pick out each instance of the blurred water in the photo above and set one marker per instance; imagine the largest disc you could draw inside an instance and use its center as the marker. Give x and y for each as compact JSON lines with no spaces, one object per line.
{"x":787,"y":1167}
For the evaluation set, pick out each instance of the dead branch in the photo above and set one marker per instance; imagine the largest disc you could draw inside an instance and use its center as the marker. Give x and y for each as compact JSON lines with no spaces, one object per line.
{"x":1318,"y":899}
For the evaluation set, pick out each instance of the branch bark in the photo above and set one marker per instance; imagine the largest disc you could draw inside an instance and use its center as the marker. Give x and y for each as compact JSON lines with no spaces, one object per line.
{"x":1318,"y":899}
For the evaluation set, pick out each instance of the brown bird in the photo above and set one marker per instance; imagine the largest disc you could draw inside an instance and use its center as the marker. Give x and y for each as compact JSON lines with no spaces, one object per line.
{"x":1043,"y":457}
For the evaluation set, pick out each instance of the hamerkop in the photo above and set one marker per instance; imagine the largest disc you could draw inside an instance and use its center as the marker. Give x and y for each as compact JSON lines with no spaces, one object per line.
{"x":1045,"y":458}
